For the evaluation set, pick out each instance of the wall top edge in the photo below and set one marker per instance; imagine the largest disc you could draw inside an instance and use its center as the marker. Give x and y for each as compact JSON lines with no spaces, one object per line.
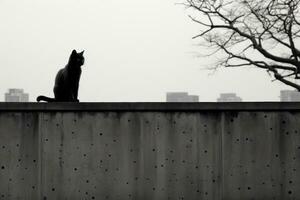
{"x":151,"y":106}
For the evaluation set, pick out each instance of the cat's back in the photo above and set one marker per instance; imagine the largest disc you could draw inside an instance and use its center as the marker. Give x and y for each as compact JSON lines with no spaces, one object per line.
{"x":60,"y":77}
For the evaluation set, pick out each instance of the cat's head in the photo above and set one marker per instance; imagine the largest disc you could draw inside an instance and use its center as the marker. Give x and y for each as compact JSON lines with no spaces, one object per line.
{"x":76,"y":59}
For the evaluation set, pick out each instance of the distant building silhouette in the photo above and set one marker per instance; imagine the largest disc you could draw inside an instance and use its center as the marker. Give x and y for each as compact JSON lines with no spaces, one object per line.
{"x":289,"y":95}
{"x":16,"y":95}
{"x":229,"y":97}
{"x":181,"y":97}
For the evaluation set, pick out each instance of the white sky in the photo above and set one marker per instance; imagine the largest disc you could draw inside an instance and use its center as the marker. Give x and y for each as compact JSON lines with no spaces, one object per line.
{"x":135,"y":50}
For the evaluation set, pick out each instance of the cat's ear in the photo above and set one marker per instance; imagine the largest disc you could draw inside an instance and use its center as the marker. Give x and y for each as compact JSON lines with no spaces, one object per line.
{"x":74,"y":52}
{"x":81,"y":53}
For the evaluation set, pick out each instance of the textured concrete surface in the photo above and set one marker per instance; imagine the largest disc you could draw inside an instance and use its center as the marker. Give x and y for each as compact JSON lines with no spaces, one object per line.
{"x":161,"y":151}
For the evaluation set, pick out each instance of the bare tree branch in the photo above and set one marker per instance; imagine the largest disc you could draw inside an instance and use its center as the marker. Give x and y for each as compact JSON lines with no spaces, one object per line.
{"x":246,"y":29}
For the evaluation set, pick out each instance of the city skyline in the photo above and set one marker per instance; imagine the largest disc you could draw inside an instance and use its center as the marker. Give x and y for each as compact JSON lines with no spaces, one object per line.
{"x":18,"y":95}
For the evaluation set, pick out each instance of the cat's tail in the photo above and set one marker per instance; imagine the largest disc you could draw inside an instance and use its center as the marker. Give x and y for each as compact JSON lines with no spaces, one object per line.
{"x":44,"y":98}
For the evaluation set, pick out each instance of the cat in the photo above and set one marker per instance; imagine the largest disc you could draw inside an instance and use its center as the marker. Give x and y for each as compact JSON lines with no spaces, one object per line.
{"x":67,"y":81}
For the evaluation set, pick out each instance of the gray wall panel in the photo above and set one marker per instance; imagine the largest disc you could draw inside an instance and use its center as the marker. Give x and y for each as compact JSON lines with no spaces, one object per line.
{"x":144,"y":154}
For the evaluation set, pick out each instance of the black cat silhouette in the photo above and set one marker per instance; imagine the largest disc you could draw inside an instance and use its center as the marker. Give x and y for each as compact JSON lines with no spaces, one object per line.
{"x":67,"y":81}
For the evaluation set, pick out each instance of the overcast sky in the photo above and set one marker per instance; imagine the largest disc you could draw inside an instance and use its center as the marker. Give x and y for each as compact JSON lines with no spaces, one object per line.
{"x":135,"y":50}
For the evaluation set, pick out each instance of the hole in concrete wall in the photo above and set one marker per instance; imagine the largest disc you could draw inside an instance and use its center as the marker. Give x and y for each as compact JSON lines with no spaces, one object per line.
{"x":2,"y":167}
{"x":100,"y":134}
{"x":53,"y":189}
{"x":287,"y":133}
{"x":3,"y":147}
{"x":290,"y":192}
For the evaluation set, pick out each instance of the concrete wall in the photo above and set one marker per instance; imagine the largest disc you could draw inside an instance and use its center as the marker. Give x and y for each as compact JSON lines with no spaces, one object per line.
{"x":150,"y":151}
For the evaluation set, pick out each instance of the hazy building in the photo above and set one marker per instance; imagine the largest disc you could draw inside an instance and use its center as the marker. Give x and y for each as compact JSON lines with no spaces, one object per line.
{"x":16,"y":95}
{"x":289,"y":95}
{"x":181,"y":97}
{"x":229,"y":97}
